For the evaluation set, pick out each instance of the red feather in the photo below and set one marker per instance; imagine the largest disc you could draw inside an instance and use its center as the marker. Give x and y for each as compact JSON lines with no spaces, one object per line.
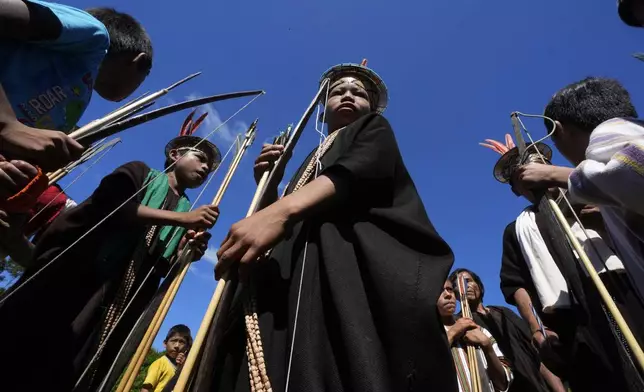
{"x":498,"y":145}
{"x":491,"y":147}
{"x":197,"y":123}
{"x":186,"y":122}
{"x":509,"y":142}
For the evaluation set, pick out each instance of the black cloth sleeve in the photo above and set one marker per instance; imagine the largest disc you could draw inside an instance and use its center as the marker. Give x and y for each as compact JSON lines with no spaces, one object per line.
{"x":513,"y":266}
{"x":368,"y":159}
{"x":118,"y":186}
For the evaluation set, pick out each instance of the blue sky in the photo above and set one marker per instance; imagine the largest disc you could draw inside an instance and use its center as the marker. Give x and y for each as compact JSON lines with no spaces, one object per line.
{"x":455,"y":70}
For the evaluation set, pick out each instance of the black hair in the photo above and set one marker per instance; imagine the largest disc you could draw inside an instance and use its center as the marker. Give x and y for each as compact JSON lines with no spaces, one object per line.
{"x":625,"y":12}
{"x":369,"y":87}
{"x":453,"y":277}
{"x":181,"y":330}
{"x":588,"y":103}
{"x":127,"y":36}
{"x":167,"y":163}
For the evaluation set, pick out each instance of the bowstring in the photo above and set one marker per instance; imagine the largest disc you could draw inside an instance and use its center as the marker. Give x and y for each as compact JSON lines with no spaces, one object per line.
{"x":144,"y":187}
{"x":319,"y":128}
{"x":144,"y":281}
{"x":108,"y":149}
{"x":562,"y":195}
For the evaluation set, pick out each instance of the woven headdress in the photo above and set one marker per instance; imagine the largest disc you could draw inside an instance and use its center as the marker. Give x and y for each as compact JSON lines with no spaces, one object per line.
{"x":186,"y":140}
{"x":510,"y":158}
{"x":378,"y":95}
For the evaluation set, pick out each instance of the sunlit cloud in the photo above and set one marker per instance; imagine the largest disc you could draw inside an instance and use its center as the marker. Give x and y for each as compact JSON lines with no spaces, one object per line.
{"x":204,"y":273}
{"x":210,"y":256}
{"x":227,"y":132}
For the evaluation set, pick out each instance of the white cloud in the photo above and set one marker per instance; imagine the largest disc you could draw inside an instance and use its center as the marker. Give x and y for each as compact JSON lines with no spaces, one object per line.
{"x":210,"y":256}
{"x":227,"y":132}
{"x":208,"y":275}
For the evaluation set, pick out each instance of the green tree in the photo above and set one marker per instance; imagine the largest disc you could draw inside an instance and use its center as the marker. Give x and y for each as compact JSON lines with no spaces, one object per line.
{"x":152,"y":356}
{"x":9,"y":273}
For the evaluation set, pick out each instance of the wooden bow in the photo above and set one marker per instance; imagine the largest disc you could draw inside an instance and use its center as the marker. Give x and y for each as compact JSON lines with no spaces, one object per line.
{"x":224,"y":289}
{"x":549,"y":204}
{"x":184,"y":260}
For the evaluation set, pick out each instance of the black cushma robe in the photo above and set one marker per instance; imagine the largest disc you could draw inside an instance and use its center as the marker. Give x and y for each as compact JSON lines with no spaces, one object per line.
{"x":513,"y":336}
{"x":374,"y":270}
{"x":594,"y":360}
{"x":53,"y":324}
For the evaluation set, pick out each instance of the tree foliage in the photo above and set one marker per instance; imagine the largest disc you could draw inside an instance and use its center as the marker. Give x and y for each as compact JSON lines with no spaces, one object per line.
{"x":152,"y":356}
{"x":9,"y":273}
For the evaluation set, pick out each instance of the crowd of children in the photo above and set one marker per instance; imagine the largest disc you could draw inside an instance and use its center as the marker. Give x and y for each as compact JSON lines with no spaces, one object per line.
{"x":378,"y":310}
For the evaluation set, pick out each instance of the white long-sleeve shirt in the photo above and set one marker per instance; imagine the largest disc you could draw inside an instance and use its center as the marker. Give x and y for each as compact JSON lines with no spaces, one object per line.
{"x":612,"y":177}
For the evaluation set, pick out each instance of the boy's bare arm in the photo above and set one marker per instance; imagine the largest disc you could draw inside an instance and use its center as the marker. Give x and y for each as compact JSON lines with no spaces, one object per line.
{"x":21,"y":20}
{"x":523,"y":301}
{"x":252,"y":236}
{"x":50,"y":150}
{"x":203,"y":217}
{"x":147,"y":388}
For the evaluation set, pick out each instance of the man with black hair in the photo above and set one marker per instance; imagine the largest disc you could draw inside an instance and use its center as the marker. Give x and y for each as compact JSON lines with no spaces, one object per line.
{"x":54,"y":56}
{"x":513,"y":336}
{"x":597,"y":131}
{"x":495,"y":373}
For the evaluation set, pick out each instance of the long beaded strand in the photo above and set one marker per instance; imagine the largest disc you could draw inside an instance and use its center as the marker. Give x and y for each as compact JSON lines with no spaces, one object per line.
{"x":257,"y":373}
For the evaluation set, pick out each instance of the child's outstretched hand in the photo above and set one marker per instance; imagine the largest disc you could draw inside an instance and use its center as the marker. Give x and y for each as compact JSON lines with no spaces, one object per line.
{"x":538,"y":176}
{"x":199,"y":241}
{"x":51,"y":150}
{"x":202,"y":218}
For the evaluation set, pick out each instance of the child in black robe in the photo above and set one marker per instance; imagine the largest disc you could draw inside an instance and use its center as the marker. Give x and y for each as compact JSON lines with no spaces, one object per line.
{"x":67,"y":303}
{"x":355,"y":249}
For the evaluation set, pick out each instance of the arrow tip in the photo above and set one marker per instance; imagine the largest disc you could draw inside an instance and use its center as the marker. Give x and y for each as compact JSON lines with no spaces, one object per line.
{"x":182,"y":81}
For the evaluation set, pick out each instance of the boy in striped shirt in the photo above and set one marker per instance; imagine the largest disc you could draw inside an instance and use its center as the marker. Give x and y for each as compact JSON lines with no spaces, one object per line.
{"x":597,"y":130}
{"x":494,"y":370}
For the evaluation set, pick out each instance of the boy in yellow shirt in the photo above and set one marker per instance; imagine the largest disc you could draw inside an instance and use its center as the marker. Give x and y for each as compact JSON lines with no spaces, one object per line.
{"x":177,"y":343}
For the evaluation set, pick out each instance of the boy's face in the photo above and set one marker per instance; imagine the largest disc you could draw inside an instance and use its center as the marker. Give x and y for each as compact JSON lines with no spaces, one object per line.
{"x":348,"y":101}
{"x":176,"y":345}
{"x":119,"y":76}
{"x":571,"y":142}
{"x":193,"y":167}
{"x":447,"y":301}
